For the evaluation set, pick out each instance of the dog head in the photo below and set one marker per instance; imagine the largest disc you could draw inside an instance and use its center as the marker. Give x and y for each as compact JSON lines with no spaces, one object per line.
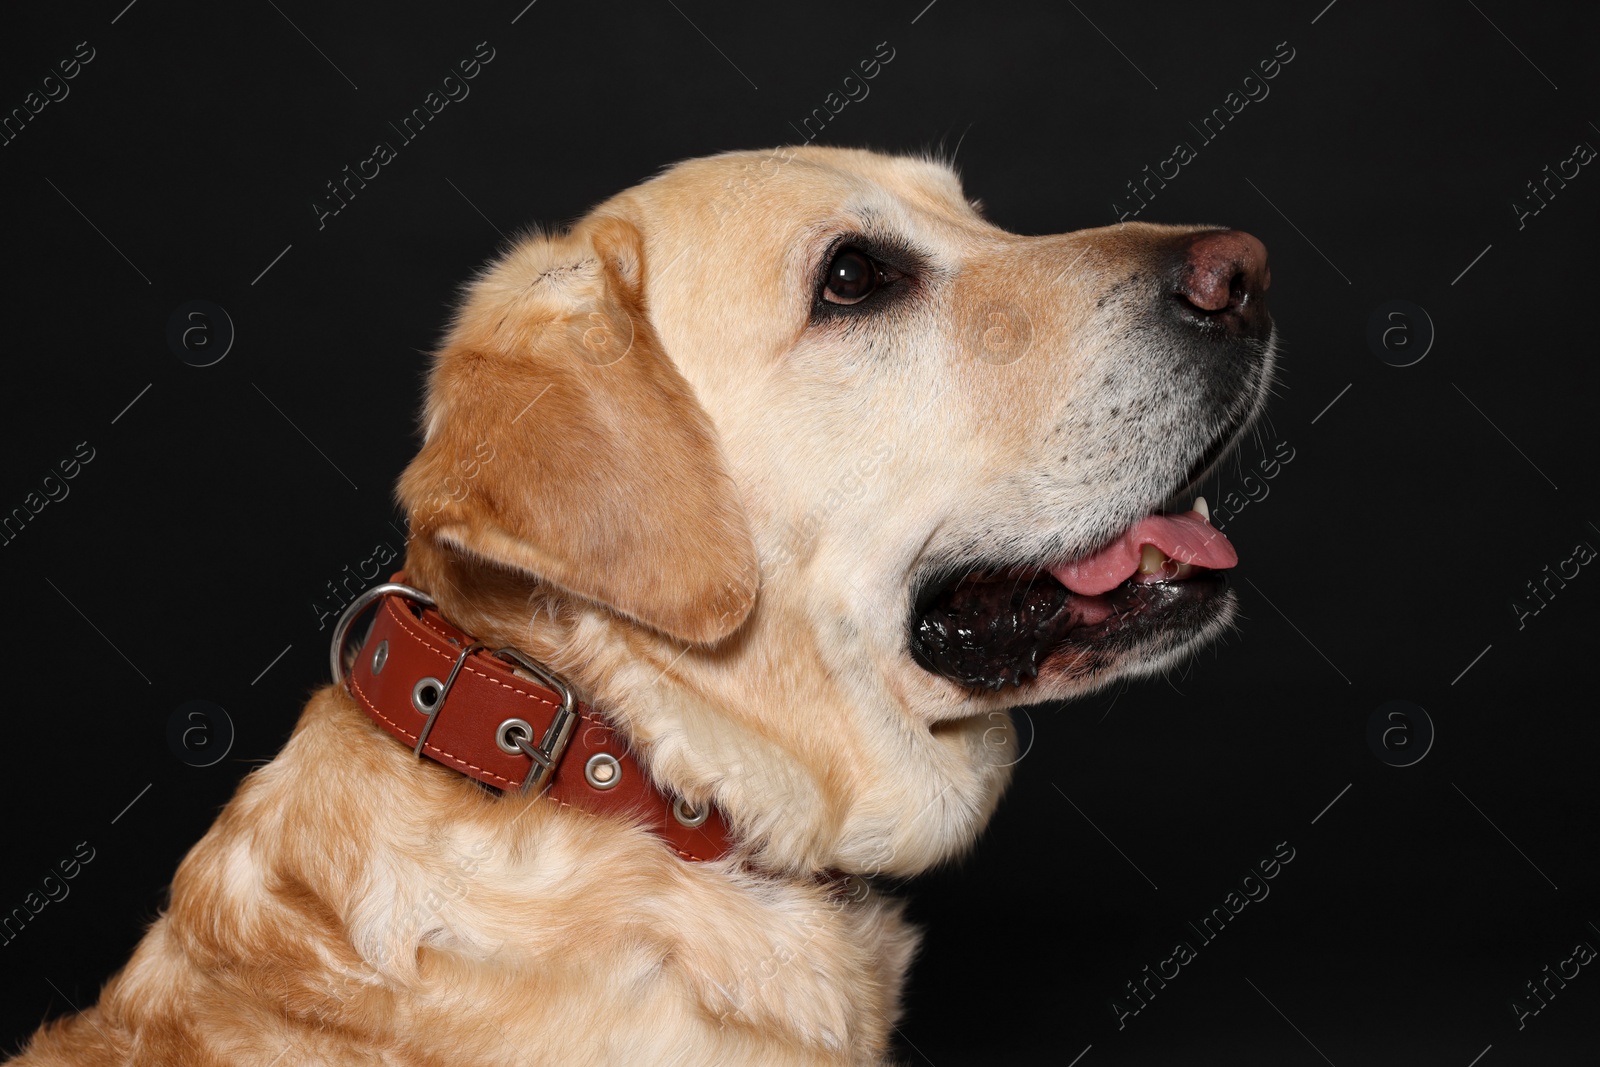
{"x":806,"y":473}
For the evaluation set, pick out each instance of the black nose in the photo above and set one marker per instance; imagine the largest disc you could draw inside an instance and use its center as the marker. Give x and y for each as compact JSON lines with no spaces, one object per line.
{"x":1220,"y":280}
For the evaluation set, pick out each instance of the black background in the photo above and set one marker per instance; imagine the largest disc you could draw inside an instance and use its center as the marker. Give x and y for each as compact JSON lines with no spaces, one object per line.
{"x":1381,"y":563}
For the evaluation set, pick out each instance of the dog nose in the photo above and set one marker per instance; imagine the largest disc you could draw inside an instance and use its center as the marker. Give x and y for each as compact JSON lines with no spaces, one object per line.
{"x":1221,"y":279}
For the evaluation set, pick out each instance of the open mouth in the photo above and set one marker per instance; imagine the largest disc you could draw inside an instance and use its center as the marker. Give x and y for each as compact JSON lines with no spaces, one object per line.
{"x":993,"y":626}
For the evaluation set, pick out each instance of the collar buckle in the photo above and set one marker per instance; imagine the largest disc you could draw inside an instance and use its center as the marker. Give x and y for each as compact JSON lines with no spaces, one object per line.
{"x":415,"y":661}
{"x":546,"y":755}
{"x":429,"y":695}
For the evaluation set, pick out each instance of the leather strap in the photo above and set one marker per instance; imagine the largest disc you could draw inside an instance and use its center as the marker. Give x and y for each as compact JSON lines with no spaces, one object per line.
{"x":417,"y":644}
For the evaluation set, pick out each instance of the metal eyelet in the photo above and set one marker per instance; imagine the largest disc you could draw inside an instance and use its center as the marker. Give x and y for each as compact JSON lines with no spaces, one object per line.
{"x":426,"y":694}
{"x":380,"y":656}
{"x":602,"y":771}
{"x":503,"y":736}
{"x":688,"y":816}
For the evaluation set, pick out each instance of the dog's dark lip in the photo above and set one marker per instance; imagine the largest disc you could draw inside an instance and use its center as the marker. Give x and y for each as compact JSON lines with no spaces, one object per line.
{"x":1220,"y":446}
{"x":1224,"y":442}
{"x":989,"y":627}
{"x":1238,"y":418}
{"x":989,"y":624}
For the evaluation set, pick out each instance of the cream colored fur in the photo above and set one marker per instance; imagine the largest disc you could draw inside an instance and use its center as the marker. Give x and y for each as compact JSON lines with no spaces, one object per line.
{"x":706,"y":512}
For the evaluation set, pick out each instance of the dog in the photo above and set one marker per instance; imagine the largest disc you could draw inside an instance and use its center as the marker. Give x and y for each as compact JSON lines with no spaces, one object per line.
{"x":762,"y":493}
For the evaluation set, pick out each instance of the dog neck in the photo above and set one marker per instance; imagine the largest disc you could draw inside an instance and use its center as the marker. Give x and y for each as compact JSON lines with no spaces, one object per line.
{"x":489,"y":711}
{"x":783,"y":745}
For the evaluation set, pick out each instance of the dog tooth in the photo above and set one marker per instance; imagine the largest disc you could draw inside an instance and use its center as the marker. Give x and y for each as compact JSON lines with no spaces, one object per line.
{"x":1151,"y":559}
{"x":1202,"y":507}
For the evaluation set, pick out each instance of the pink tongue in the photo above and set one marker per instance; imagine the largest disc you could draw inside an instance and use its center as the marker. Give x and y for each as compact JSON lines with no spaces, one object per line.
{"x":1186,"y":538}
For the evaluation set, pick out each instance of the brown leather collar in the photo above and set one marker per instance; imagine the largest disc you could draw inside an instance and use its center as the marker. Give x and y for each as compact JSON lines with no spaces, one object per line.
{"x":505,"y":729}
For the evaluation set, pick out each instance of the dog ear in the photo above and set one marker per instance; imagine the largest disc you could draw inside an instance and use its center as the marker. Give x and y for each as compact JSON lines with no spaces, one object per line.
{"x":561,"y":441}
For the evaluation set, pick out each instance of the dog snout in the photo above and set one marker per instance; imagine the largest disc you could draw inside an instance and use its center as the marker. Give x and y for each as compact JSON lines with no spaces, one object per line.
{"x":1220,"y":280}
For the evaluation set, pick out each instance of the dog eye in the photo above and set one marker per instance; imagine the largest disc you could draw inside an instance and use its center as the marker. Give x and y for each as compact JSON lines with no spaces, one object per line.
{"x":852,"y":277}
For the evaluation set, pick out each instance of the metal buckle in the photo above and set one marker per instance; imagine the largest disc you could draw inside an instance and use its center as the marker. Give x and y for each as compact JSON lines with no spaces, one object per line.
{"x":341,"y":629}
{"x":547,"y":753}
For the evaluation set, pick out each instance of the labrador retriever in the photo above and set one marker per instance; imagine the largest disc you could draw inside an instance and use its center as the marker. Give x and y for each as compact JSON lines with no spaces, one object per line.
{"x":744,"y":512}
